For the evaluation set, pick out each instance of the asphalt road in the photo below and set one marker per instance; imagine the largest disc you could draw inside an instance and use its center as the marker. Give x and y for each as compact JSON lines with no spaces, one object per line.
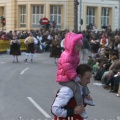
{"x":27,"y":91}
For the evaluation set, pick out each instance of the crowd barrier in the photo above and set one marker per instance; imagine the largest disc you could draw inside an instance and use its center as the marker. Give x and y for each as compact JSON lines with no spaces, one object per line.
{"x":5,"y":45}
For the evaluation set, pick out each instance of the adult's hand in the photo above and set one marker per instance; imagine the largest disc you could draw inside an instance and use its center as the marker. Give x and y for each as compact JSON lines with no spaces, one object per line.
{"x":79,"y":109}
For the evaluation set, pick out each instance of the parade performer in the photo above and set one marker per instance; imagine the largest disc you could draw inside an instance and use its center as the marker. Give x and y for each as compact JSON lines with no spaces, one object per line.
{"x":30,"y":41}
{"x":15,"y":48}
{"x":67,"y":65}
{"x":55,"y":49}
{"x":64,"y":106}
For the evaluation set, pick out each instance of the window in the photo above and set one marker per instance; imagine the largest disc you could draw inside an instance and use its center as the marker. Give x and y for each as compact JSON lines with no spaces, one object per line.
{"x":90,"y":16}
{"x":37,"y":14}
{"x":105,"y":17}
{"x":22,"y":16}
{"x":55,"y":15}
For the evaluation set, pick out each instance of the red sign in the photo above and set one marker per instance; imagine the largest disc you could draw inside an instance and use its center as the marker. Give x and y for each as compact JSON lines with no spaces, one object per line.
{"x":44,"y":21}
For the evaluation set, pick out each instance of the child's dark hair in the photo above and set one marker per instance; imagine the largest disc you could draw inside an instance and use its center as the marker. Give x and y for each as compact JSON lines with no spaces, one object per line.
{"x":82,"y":68}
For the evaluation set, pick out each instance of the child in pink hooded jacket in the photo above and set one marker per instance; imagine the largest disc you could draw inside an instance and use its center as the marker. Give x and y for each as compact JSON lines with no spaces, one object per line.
{"x":67,"y":66}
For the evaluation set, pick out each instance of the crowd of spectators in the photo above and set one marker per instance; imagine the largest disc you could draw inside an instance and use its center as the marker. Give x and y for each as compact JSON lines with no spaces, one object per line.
{"x":104,"y":45}
{"x":105,"y":59}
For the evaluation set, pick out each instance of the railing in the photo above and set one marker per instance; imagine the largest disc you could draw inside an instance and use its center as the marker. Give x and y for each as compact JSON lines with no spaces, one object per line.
{"x":5,"y":45}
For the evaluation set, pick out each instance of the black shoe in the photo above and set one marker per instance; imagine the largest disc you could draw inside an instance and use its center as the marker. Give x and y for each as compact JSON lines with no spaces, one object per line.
{"x":25,"y":60}
{"x":106,"y":87}
{"x":112,"y":91}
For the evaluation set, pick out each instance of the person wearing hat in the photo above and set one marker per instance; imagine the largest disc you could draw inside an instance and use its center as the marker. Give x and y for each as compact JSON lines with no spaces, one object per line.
{"x":30,"y":41}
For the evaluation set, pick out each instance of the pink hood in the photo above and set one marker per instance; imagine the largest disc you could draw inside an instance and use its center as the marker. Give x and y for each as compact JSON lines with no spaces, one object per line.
{"x":70,"y":40}
{"x":69,"y":60}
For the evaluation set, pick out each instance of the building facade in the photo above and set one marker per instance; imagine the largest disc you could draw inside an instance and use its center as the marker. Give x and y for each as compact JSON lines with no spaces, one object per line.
{"x":100,"y":13}
{"x":25,"y":15}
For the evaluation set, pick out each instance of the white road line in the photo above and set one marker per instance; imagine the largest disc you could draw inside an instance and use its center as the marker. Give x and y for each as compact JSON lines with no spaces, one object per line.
{"x":22,"y":72}
{"x":38,"y":107}
{"x":98,"y":84}
{"x":3,"y":62}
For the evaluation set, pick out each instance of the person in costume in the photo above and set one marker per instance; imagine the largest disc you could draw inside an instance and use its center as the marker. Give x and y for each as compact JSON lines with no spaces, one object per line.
{"x":15,"y":48}
{"x":30,"y":41}
{"x":55,"y":49}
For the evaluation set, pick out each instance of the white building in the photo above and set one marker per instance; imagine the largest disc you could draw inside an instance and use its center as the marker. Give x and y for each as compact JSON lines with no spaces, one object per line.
{"x":99,"y":13}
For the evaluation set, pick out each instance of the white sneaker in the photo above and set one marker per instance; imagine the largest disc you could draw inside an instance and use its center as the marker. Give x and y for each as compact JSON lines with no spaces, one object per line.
{"x":84,"y":115}
{"x":117,"y":95}
{"x":89,"y":102}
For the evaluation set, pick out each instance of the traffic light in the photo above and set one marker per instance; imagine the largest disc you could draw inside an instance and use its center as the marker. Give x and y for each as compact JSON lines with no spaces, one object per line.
{"x":3,"y":20}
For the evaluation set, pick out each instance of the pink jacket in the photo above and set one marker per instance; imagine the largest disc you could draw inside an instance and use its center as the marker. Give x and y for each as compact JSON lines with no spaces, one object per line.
{"x":69,"y":60}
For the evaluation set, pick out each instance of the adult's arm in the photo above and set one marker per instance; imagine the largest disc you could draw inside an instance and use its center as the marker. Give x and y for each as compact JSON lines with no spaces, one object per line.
{"x":62,"y":99}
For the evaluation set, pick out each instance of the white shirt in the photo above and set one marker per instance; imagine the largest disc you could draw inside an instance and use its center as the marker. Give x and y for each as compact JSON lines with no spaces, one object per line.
{"x":62,"y":99}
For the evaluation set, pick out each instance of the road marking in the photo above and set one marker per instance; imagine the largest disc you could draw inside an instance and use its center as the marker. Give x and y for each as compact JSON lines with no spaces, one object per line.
{"x":3,"y":62}
{"x":38,"y":107}
{"x":22,"y":72}
{"x":98,"y":84}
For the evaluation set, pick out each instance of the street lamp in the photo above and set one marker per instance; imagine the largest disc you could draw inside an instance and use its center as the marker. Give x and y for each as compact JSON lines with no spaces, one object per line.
{"x":76,"y":3}
{"x":80,"y":19}
{"x":119,"y":14}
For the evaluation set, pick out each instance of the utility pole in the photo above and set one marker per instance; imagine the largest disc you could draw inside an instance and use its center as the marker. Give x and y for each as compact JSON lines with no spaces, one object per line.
{"x":119,"y":15}
{"x":80,"y":13}
{"x":76,"y":3}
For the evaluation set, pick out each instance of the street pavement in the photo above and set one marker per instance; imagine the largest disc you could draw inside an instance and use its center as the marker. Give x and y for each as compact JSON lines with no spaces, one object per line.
{"x":27,"y":91}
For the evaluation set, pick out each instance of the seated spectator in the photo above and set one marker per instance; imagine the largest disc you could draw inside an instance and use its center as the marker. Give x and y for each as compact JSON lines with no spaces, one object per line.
{"x":95,"y":67}
{"x":104,"y":40}
{"x":114,"y":80}
{"x":90,"y":61}
{"x":115,"y":61}
{"x":102,"y":67}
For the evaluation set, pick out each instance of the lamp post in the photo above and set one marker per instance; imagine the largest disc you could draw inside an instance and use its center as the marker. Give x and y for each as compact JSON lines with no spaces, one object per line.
{"x":119,"y":15}
{"x":76,"y":3}
{"x":80,"y":14}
